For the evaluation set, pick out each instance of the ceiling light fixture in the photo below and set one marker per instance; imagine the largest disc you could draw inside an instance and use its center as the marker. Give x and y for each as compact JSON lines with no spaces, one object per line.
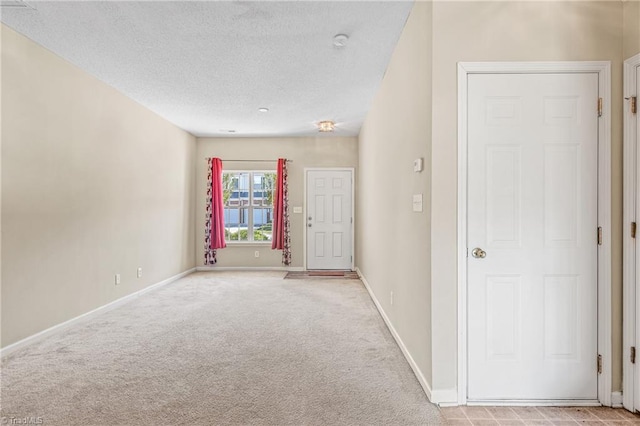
{"x":263,"y":109}
{"x":326,"y":126}
{"x":340,"y":40}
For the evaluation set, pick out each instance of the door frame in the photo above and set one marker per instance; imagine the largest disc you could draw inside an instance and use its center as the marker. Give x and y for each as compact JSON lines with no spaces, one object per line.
{"x":603,"y":70}
{"x":630,"y":375}
{"x":353,"y":208}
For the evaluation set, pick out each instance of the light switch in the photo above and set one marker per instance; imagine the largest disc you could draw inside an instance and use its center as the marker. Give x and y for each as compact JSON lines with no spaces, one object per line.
{"x":297,"y":209}
{"x":417,"y":202}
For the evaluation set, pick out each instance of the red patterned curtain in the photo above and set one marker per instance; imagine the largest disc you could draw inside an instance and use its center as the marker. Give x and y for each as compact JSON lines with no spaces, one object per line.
{"x":281,"y":239}
{"x":214,"y":225}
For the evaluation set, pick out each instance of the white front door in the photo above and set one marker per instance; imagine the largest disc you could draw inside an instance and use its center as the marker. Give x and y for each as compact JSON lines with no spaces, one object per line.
{"x":329,"y":219}
{"x":532,"y":216}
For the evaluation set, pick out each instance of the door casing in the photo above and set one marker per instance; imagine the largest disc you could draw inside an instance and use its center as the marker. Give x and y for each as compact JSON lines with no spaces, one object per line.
{"x":603,"y":69}
{"x":353,"y":210}
{"x":630,"y":374}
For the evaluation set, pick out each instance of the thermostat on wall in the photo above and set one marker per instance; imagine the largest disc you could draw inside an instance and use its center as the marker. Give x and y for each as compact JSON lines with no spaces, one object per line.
{"x":417,"y":165}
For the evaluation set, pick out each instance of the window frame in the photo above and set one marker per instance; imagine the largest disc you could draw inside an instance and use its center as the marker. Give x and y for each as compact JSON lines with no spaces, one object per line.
{"x":250,"y":207}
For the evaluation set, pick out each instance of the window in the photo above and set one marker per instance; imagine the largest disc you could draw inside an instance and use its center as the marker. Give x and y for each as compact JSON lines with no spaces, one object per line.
{"x":248,"y":205}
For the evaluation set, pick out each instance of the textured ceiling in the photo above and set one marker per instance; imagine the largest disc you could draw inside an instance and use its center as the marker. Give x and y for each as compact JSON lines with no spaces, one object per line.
{"x":208,"y":66}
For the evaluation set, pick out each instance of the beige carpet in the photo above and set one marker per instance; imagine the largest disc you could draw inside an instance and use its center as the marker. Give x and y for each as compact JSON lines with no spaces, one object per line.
{"x":223,"y":348}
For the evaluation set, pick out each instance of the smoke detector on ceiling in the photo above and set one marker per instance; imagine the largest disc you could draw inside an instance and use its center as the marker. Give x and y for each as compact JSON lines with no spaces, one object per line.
{"x":340,"y":40}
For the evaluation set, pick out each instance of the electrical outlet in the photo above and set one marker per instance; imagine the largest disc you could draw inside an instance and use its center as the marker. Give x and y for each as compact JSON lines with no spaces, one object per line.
{"x":117,"y":279}
{"x":391,"y":297}
{"x":257,"y":253}
{"x":139,"y":272}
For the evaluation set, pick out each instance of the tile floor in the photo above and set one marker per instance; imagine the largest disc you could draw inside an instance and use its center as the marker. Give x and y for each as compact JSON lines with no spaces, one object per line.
{"x":538,"y":416}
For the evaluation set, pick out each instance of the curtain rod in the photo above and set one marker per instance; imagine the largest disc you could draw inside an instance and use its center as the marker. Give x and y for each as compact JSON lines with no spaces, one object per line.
{"x":255,"y":161}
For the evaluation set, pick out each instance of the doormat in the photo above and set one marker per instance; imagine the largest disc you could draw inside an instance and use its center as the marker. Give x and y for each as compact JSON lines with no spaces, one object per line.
{"x":300,"y":275}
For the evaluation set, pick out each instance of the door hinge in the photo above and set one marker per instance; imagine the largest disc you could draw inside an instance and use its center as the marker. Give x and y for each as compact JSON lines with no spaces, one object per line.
{"x":599,"y":364}
{"x":599,"y":107}
{"x":632,"y":354}
{"x":599,"y":235}
{"x":633,"y":229}
{"x":634,"y":105}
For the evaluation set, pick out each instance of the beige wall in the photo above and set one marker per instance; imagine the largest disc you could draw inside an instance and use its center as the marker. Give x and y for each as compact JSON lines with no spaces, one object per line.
{"x":631,"y":27}
{"x":509,"y":31}
{"x":1,"y":133}
{"x":392,"y":241}
{"x":93,"y":184}
{"x":305,"y":152}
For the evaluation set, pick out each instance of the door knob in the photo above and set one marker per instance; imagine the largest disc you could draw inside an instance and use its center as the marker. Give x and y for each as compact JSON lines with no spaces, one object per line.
{"x":309,"y":225}
{"x":479,"y":253}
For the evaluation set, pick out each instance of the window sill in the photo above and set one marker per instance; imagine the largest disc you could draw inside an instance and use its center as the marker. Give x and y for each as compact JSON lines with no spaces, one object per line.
{"x":248,"y":243}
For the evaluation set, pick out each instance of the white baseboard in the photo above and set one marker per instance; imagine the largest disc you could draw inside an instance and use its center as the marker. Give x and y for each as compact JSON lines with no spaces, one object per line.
{"x":448,"y":404}
{"x":445,"y":397}
{"x":616,"y":399}
{"x":249,"y":268}
{"x":8,"y":350}
{"x":416,"y":370}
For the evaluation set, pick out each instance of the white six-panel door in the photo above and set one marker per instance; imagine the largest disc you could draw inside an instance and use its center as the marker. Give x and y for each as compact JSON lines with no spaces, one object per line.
{"x":532,"y":215}
{"x":329,"y":219}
